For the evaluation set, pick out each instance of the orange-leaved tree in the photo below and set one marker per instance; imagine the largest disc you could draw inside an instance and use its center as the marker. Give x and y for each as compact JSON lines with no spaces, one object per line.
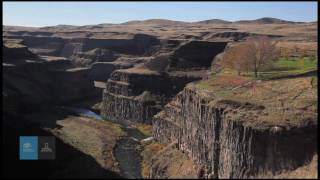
{"x":234,"y":58}
{"x":255,"y":54}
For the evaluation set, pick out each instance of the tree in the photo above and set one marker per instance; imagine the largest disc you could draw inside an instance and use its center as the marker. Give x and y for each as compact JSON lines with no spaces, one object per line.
{"x":234,"y":58}
{"x":256,"y":54}
{"x":261,"y":53}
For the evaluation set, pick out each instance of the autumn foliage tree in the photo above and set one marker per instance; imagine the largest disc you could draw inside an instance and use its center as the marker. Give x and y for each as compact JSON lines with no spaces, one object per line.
{"x":255,"y":54}
{"x":234,"y":58}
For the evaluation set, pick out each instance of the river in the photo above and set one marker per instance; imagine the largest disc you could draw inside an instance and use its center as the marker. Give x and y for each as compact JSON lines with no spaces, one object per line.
{"x":128,"y":149}
{"x":83,"y":112}
{"x":128,"y":154}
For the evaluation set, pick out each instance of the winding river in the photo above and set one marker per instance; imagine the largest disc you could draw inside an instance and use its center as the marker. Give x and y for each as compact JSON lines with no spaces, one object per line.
{"x":127,"y":153}
{"x":83,"y":112}
{"x":128,"y":149}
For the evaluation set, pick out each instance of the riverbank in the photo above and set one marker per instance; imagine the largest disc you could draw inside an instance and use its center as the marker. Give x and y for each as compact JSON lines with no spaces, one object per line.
{"x":91,"y":137}
{"x":128,"y":153}
{"x":80,"y":150}
{"x":114,"y":147}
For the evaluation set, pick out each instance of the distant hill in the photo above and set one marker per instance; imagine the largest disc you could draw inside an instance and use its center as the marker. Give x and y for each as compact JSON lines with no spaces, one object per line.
{"x":266,"y":20}
{"x":60,"y":26}
{"x":10,"y":28}
{"x":154,"y":22}
{"x":214,"y":21}
{"x":158,"y":22}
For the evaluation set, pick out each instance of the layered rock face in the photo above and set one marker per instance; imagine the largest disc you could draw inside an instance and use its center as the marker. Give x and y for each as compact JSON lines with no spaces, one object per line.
{"x":41,"y":45}
{"x":95,"y":55}
{"x":100,"y":71}
{"x":234,"y":36}
{"x":226,"y":147}
{"x":37,"y":83}
{"x":75,"y":84}
{"x":196,"y":54}
{"x":138,"y":93}
{"x":84,"y":51}
{"x":14,"y":51}
{"x":36,"y":86}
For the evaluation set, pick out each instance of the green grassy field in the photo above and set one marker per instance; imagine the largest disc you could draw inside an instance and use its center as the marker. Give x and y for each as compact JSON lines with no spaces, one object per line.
{"x":286,"y":67}
{"x":295,"y":64}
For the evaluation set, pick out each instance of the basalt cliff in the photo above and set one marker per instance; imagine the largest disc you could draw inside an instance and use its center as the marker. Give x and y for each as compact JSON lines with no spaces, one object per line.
{"x":227,"y":139}
{"x":138,"y":93}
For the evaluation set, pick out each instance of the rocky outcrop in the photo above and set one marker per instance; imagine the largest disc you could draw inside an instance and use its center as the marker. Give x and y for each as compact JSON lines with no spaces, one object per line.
{"x":138,"y":94}
{"x":230,"y":36}
{"x":95,"y":55}
{"x":30,"y":85}
{"x":137,"y":45}
{"x":100,"y":71}
{"x":15,"y":51}
{"x":84,"y":50}
{"x":58,"y":64}
{"x":74,"y":84}
{"x":42,"y":45}
{"x":223,"y":144}
{"x":34,"y":85}
{"x":170,"y":163}
{"x":118,"y":108}
{"x":196,"y":54}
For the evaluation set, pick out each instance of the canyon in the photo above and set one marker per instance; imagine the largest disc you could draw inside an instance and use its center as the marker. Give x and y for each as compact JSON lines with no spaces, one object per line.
{"x":218,"y":135}
{"x":159,"y":74}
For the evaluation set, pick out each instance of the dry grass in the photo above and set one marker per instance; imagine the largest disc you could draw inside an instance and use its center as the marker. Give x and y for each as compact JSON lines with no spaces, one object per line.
{"x":300,"y":47}
{"x":77,"y":69}
{"x":288,"y":102}
{"x":171,"y":162}
{"x":92,"y":137}
{"x":308,"y":171}
{"x":53,"y":58}
{"x":145,"y":129}
{"x":96,"y":138}
{"x":297,"y":32}
{"x":147,"y":154}
{"x":139,"y":70}
{"x":13,"y":43}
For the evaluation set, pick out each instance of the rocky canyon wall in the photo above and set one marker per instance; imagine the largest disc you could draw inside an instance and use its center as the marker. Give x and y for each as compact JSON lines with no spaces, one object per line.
{"x":138,"y":44}
{"x":226,"y":147}
{"x":32,"y":83}
{"x":138,"y":93}
{"x":196,"y":54}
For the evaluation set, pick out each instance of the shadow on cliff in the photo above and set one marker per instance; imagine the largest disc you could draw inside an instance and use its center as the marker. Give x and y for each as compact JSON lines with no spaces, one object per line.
{"x":69,"y":162}
{"x":306,"y":74}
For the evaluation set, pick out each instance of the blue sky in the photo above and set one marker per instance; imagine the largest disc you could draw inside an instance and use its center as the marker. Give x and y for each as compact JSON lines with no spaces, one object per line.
{"x":84,"y":13}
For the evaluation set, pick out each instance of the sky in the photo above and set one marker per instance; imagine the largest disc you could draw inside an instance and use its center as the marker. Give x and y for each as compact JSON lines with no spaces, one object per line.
{"x":39,"y":14}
